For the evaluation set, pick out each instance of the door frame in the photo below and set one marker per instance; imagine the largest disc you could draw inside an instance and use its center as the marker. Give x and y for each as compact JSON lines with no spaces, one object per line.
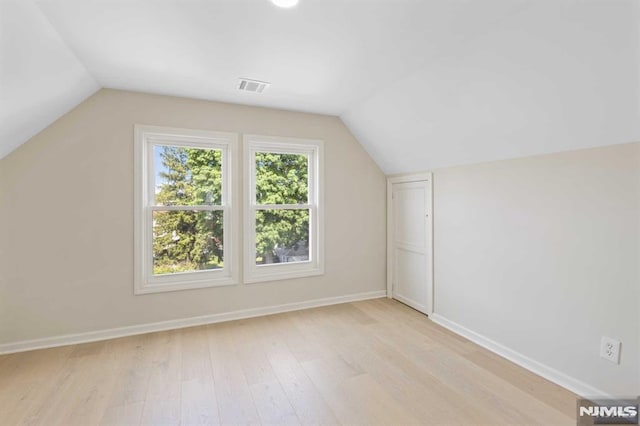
{"x":414,"y":177}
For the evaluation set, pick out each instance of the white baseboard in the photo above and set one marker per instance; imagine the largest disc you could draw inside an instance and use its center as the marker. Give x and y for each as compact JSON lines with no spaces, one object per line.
{"x":92,"y":336}
{"x":574,"y":385}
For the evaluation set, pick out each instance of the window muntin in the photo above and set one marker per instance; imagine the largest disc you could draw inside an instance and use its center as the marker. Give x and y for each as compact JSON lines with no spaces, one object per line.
{"x":184,"y":221}
{"x":283,"y":220}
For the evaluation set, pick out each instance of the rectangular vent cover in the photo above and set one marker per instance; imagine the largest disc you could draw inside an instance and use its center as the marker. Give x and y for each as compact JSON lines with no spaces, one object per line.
{"x":248,"y":85}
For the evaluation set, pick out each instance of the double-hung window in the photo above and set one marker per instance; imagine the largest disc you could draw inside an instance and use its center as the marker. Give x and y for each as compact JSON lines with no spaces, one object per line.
{"x":184,"y":231}
{"x":283,"y":224}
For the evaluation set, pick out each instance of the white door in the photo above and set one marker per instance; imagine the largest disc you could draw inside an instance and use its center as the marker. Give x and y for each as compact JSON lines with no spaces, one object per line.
{"x":411,"y":260}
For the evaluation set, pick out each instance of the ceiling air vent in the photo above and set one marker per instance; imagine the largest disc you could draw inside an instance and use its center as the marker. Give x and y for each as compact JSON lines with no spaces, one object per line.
{"x":256,"y":86}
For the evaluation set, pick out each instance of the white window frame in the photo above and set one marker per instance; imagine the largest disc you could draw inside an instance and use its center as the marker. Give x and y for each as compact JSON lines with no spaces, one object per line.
{"x":145,"y":138}
{"x":314,"y":149}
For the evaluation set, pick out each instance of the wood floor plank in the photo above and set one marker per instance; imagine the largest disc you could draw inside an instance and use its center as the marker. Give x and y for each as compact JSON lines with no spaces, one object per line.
{"x":369,"y":362}
{"x":302,"y":345}
{"x":27,"y":380}
{"x":515,"y":407}
{"x":162,"y":401}
{"x":161,"y":412}
{"x":235,"y":403}
{"x":272,"y":404}
{"x":412,"y":385}
{"x":536,"y":386}
{"x":304,"y":397}
{"x":126,"y":414}
{"x":82,"y":394}
{"x":132,"y":377}
{"x":251,"y":354}
{"x":375,"y":404}
{"x":195,"y":357}
{"x":199,"y":405}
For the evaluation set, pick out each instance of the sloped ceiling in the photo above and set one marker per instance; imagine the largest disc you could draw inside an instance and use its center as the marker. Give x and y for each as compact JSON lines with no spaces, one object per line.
{"x":40,"y":77}
{"x":421,"y":83}
{"x":551,"y":78}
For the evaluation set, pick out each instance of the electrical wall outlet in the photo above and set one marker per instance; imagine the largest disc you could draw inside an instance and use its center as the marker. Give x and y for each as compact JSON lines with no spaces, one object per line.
{"x":610,"y":349}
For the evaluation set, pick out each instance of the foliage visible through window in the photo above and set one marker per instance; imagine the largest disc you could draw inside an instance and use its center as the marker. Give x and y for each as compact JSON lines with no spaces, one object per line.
{"x":282,"y":234}
{"x":185,"y":227}
{"x":186,"y":223}
{"x":189,"y":239}
{"x":282,"y":178}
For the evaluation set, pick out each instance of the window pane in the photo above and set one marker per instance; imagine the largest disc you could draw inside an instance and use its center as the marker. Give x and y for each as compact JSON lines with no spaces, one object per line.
{"x":282,"y":178}
{"x":187,"y":176}
{"x":282,"y":236}
{"x":186,"y":241}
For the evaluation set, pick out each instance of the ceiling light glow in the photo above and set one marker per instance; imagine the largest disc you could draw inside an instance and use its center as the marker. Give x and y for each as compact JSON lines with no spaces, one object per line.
{"x":285,"y":3}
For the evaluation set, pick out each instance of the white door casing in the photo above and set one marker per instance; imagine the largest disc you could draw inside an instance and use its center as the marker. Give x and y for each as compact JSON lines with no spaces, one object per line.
{"x":410,"y":241}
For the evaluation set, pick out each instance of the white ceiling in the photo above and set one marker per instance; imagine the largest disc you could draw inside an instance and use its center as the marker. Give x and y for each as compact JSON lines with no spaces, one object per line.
{"x":554,"y":77}
{"x":40,"y":78}
{"x":421,"y":83}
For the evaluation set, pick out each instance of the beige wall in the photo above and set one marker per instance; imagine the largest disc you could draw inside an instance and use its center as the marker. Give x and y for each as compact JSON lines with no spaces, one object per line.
{"x":68,"y":214}
{"x":541,"y":255}
{"x":4,"y":255}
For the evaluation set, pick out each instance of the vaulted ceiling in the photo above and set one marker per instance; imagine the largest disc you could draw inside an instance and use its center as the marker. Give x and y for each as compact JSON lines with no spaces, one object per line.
{"x":420,"y":83}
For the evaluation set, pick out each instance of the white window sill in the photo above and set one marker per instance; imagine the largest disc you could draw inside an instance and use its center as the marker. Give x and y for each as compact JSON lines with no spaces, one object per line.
{"x":260,"y":277}
{"x":183,"y":285}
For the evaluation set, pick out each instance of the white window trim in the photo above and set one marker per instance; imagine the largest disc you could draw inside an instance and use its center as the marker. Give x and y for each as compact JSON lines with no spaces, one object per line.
{"x":315,"y":266}
{"x":145,"y":136}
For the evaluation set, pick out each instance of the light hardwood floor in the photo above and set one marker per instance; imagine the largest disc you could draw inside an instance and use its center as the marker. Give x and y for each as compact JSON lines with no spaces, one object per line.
{"x":372,"y":362}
